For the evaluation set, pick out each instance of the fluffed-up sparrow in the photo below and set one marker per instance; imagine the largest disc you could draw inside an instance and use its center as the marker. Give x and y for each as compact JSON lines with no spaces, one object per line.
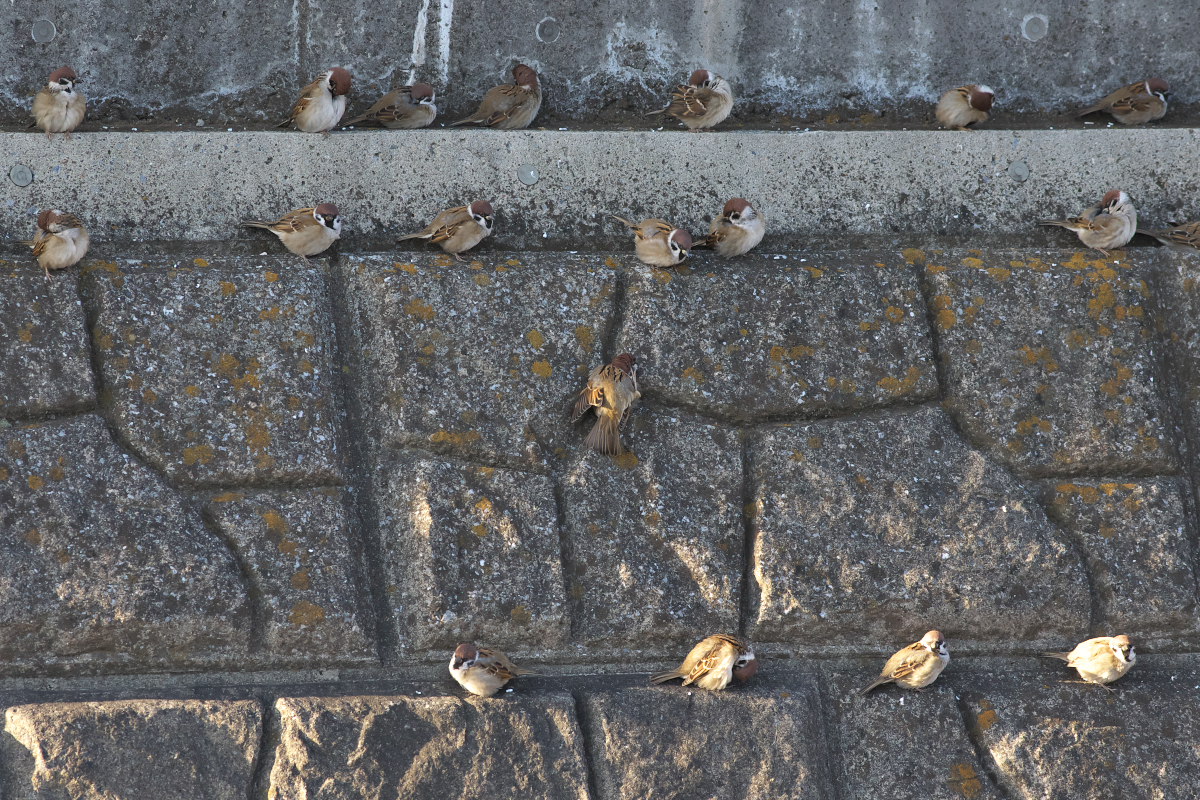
{"x":405,"y":108}
{"x":482,"y":671}
{"x":959,"y":108}
{"x":305,"y":231}
{"x":58,"y":107}
{"x":704,"y":102}
{"x":1109,"y":224}
{"x":1101,"y":660}
{"x":1178,"y":237}
{"x":458,"y":229}
{"x":1135,"y":104}
{"x":611,"y":391}
{"x":60,"y":241}
{"x":658,"y":242}
{"x":736,"y":231}
{"x":917,"y":665}
{"x":510,"y":105}
{"x":322,"y":103}
{"x":713,"y":663}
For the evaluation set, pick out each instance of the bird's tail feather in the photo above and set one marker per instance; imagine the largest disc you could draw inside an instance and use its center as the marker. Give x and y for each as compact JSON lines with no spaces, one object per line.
{"x":605,"y":436}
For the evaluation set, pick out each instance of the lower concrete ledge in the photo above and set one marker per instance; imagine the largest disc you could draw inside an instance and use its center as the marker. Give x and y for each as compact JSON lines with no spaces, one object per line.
{"x":199,"y":185}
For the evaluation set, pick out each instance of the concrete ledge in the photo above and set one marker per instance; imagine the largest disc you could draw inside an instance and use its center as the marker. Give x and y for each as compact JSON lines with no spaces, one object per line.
{"x":197,"y":186}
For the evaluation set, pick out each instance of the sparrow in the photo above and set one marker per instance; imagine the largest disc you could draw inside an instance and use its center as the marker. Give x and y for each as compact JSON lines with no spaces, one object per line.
{"x":1101,"y":660}
{"x":58,"y":108}
{"x":482,"y":671}
{"x":713,"y":662}
{"x":402,"y":109}
{"x":1179,"y":237}
{"x":659,"y":243}
{"x":511,"y":105}
{"x":964,"y":106}
{"x":611,"y":390}
{"x":737,"y":231}
{"x":305,"y":231}
{"x":60,"y":240}
{"x":1109,"y":224}
{"x":706,"y":101}
{"x":322,"y":103}
{"x":1137,"y":103}
{"x":459,"y":229}
{"x":917,"y":665}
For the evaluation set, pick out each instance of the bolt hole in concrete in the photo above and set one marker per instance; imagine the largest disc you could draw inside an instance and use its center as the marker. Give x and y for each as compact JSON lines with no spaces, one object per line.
{"x":527,"y":174}
{"x":1035,"y":26}
{"x":548,"y":30}
{"x":1018,"y":171}
{"x":44,"y":31}
{"x":21,"y":175}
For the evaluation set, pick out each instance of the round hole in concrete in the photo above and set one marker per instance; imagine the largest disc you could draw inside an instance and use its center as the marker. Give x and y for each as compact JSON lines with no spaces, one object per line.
{"x":1035,"y":26}
{"x":527,"y":174}
{"x":44,"y":31}
{"x":548,"y":30}
{"x":21,"y":175}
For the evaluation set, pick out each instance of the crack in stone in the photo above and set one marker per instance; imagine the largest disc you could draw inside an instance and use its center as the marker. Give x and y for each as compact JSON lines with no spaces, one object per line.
{"x":254,"y":590}
{"x":590,"y":754}
{"x":983,"y":755}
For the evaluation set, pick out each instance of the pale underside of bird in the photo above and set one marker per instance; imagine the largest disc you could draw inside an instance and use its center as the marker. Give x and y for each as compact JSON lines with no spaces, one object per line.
{"x":737,"y":230}
{"x":960,"y":108}
{"x":1109,"y":224}
{"x":713,"y":663}
{"x":305,"y":231}
{"x":457,"y":230}
{"x":59,"y":107}
{"x":1101,"y":660}
{"x":482,"y":671}
{"x":657,"y":242}
{"x":61,"y":241}
{"x":322,"y":103}
{"x":917,"y":665}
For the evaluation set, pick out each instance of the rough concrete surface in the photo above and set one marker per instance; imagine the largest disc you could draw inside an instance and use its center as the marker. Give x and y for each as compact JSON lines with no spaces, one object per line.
{"x":599,"y":61}
{"x":392,"y":182}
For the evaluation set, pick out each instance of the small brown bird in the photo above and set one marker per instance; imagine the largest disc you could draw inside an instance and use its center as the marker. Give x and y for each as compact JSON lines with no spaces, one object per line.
{"x":713,"y":663}
{"x":305,"y":231}
{"x":737,"y":231}
{"x":703,"y":103}
{"x":917,"y":665}
{"x":1177,"y":237}
{"x":611,"y":391}
{"x":482,"y":671}
{"x":658,"y":242}
{"x":406,"y":108}
{"x":1109,"y":224}
{"x":959,"y":108}
{"x":58,"y":108}
{"x":1135,"y":104}
{"x":1101,"y":660}
{"x":458,"y":229}
{"x":322,"y":103}
{"x":511,"y":105}
{"x":60,"y":242}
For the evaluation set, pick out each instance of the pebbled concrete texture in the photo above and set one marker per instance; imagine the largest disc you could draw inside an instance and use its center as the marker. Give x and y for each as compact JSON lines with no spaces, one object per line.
{"x":597,"y":60}
{"x":199,"y":186}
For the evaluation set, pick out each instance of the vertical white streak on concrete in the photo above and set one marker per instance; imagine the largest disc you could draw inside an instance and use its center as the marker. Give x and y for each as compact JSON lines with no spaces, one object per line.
{"x":718,"y":26}
{"x":418,"y":49}
{"x":445,"y":19}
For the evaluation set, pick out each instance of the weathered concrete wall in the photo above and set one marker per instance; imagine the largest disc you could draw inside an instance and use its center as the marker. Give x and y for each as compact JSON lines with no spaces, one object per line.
{"x":198,"y":186}
{"x":244,"y":64}
{"x":270,"y":497}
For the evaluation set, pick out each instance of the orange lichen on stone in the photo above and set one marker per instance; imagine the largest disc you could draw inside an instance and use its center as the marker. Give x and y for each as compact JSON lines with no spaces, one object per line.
{"x":1000,"y":273}
{"x":913,"y":255}
{"x":661,"y":275}
{"x":536,"y":339}
{"x":197,"y":454}
{"x":945,"y":318}
{"x":894,"y":314}
{"x":521,"y":615}
{"x":409,"y":268}
{"x":483,"y":279}
{"x":586,"y":337}
{"x":419,"y":309}
{"x":965,"y":781}
{"x":200,"y":262}
{"x":1103,"y":298}
{"x":694,"y":374}
{"x":228,"y":497}
{"x":454,"y":437}
{"x":1112,"y":386}
{"x":301,"y":580}
{"x":899,"y":386}
{"x":1031,"y":424}
{"x":268,"y":314}
{"x":270,"y":277}
{"x":35,"y":482}
{"x":626,"y":460}
{"x":542,"y":369}
{"x":228,"y":288}
{"x":972,"y":262}
{"x":987,"y":717}
{"x":150,"y":397}
{"x":25,"y":334}
{"x":1039,"y":355}
{"x":306,"y":613}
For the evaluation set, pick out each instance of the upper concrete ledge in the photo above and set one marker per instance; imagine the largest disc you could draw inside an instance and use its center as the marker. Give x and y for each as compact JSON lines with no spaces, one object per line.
{"x":140,"y":186}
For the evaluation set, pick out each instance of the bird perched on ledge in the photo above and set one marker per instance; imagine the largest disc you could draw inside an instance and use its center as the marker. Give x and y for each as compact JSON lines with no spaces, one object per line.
{"x":482,"y":671}
{"x":322,"y":103}
{"x":713,"y":663}
{"x":1135,"y":104}
{"x":704,"y":102}
{"x":917,"y":665}
{"x":965,"y":106}
{"x":305,"y":231}
{"x":611,"y":391}
{"x":1101,"y":660}
{"x":736,"y":231}
{"x":60,"y":242}
{"x":405,"y":108}
{"x":458,"y":229}
{"x":510,"y":105}
{"x":658,"y":242}
{"x":1177,"y":237}
{"x":1107,"y":225}
{"x":58,"y":107}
